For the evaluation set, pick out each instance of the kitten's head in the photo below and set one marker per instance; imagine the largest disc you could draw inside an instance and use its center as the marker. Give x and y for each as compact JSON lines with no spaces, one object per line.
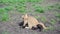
{"x":25,"y":16}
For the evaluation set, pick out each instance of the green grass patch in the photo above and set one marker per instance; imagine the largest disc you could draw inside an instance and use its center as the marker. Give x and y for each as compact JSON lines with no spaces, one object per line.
{"x":3,"y":10}
{"x":54,"y":6}
{"x":50,"y":28}
{"x":35,"y":1}
{"x":9,"y":8}
{"x":4,"y":17}
{"x":36,"y":17}
{"x":43,"y":19}
{"x":5,"y":32}
{"x":50,"y":7}
{"x":57,"y":5}
{"x":39,"y":9}
{"x":12,"y":1}
{"x":53,"y":21}
{"x":21,"y":9}
{"x":3,"y":14}
{"x":58,"y":15}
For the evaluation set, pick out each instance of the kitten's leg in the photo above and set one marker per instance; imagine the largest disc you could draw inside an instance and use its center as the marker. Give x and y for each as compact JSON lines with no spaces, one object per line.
{"x":40,"y":27}
{"x":25,"y":22}
{"x":34,"y":28}
{"x":29,"y":27}
{"x":26,"y":25}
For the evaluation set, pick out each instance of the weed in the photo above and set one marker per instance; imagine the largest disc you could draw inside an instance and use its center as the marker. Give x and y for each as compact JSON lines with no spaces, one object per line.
{"x":3,"y":15}
{"x":21,"y":9}
{"x":49,"y":28}
{"x":5,"y":32}
{"x":39,"y":9}
{"x":58,"y":15}
{"x":43,"y":19}
{"x":50,"y":7}
{"x":34,"y":1}
{"x":53,"y":21}
{"x":36,"y":17}
{"x":57,"y":5}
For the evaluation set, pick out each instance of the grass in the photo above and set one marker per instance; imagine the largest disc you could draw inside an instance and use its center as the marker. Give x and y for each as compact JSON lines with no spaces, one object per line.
{"x":4,"y":17}
{"x":54,"y":6}
{"x":35,"y":1}
{"x":5,"y":32}
{"x":36,"y":17}
{"x":58,"y":16}
{"x":43,"y":19}
{"x":53,"y":21}
{"x":10,"y":5}
{"x":21,"y":8}
{"x":57,"y":5}
{"x":3,"y":14}
{"x":39,"y":9}
{"x":19,"y":5}
{"x":51,"y":28}
{"x":50,"y":7}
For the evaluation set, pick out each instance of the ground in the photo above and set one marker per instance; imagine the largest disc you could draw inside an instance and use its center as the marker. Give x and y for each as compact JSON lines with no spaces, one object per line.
{"x":49,"y":18}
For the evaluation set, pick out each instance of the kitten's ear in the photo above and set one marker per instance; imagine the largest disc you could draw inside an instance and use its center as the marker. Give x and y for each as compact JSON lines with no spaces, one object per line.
{"x":26,"y":15}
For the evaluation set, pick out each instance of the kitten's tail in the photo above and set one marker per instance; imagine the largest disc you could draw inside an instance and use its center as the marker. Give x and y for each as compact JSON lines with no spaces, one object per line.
{"x":43,"y":25}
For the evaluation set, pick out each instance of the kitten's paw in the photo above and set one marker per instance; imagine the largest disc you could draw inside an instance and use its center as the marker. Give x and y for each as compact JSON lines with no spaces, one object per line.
{"x":27,"y":27}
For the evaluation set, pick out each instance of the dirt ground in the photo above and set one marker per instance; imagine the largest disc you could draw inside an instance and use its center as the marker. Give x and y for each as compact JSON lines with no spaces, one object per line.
{"x":11,"y":26}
